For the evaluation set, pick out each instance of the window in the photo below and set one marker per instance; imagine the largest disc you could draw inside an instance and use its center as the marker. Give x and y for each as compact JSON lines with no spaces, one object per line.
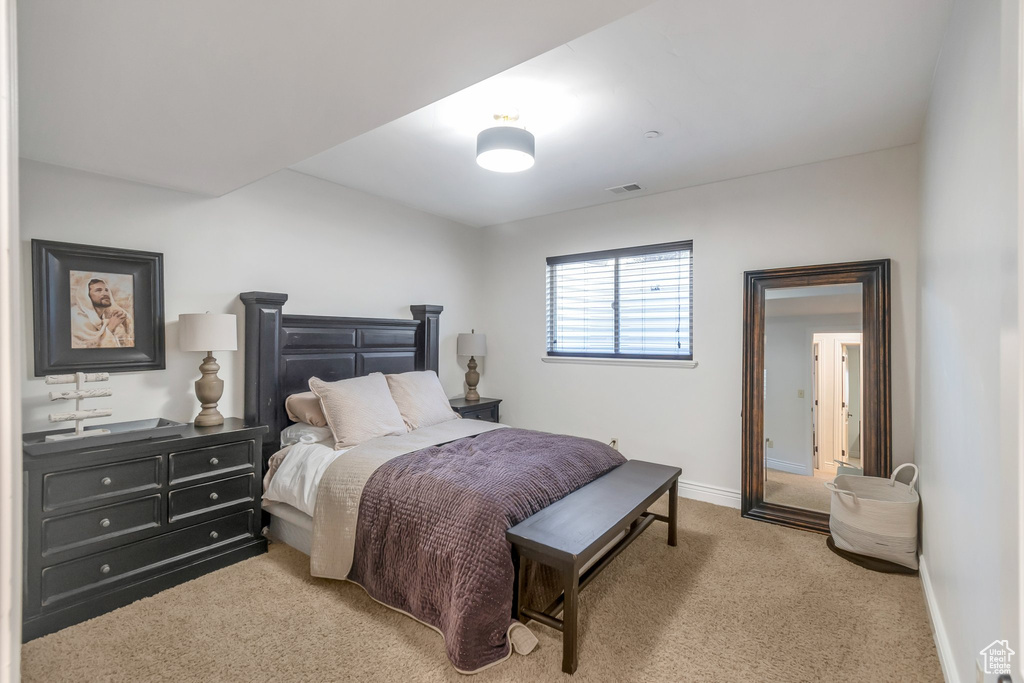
{"x":623,"y":303}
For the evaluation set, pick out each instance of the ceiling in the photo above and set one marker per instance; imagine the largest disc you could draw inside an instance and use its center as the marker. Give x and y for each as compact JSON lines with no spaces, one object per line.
{"x":735,"y":87}
{"x":815,"y":300}
{"x":207,"y":96}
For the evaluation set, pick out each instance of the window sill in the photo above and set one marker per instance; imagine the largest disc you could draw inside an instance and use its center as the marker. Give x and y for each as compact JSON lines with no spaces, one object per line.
{"x":630,"y":362}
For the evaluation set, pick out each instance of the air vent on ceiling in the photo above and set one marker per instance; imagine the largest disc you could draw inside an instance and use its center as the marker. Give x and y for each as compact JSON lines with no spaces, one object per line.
{"x":632,"y":187}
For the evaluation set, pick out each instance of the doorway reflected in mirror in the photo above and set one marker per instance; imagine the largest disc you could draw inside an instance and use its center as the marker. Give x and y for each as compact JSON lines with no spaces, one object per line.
{"x":812,"y":391}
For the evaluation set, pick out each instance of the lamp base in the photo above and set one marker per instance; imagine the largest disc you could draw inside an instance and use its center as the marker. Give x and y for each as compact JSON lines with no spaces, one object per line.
{"x":208,"y":417}
{"x":472,"y":379}
{"x":209,"y":389}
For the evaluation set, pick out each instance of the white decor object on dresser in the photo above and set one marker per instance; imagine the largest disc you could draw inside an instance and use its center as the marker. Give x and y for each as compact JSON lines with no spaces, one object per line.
{"x":472,"y":345}
{"x":208,"y":332}
{"x":78,"y":395}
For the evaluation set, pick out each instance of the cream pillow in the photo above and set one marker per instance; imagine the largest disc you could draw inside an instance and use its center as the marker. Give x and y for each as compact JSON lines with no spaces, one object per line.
{"x":421,"y":399}
{"x":358,"y":409}
{"x":305,"y":407}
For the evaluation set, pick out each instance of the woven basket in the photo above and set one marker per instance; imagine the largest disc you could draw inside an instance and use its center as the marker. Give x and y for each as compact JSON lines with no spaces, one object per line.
{"x":876,"y":517}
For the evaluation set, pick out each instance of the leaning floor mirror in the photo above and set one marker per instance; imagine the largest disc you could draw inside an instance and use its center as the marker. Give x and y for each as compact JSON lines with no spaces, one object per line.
{"x":816,"y":398}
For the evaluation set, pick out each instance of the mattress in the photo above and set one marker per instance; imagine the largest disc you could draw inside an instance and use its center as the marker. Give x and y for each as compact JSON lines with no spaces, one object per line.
{"x":294,"y":473}
{"x":294,"y":528}
{"x":290,"y":526}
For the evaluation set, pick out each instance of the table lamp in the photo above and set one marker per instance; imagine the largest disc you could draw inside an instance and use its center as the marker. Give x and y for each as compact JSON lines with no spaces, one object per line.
{"x":472,"y":345}
{"x":208,"y":332}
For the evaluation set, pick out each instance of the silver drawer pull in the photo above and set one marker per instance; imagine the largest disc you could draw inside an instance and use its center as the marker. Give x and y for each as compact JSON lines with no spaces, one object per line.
{"x":106,"y":481}
{"x":104,"y":522}
{"x":214,"y":534}
{"x":214,"y":496}
{"x":214,"y":461}
{"x":105,"y":569}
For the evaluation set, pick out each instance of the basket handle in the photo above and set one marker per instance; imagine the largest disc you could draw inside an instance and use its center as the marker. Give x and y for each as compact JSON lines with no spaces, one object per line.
{"x":892,"y":479}
{"x":834,"y":489}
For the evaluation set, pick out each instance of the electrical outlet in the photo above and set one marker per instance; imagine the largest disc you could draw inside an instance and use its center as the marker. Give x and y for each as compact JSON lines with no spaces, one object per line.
{"x":769,"y":443}
{"x":799,"y":393}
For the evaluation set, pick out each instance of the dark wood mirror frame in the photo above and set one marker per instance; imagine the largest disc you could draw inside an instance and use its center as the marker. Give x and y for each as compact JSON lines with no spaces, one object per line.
{"x":877,"y":434}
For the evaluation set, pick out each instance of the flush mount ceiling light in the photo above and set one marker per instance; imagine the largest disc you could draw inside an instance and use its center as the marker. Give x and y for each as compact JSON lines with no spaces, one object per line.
{"x":505,"y":149}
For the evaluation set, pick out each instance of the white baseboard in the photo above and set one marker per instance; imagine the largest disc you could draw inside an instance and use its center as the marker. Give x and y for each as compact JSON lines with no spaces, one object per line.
{"x":785,"y":466}
{"x":946,"y":660}
{"x":715,"y":495}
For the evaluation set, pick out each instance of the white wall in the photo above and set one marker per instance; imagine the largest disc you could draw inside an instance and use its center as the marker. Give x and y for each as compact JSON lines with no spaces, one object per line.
{"x":334,"y":251}
{"x":860,"y":207}
{"x":968,"y":370}
{"x":788,"y":341}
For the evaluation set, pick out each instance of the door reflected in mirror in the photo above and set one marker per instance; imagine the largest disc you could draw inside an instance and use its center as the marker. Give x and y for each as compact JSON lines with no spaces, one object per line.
{"x":813,"y":391}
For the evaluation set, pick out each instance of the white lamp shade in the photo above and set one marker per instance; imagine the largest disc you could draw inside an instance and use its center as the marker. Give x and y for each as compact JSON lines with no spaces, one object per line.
{"x":472,"y":344}
{"x":207,"y":332}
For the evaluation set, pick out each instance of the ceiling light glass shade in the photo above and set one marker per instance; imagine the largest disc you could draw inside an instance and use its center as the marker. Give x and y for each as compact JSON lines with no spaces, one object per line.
{"x":505,"y":149}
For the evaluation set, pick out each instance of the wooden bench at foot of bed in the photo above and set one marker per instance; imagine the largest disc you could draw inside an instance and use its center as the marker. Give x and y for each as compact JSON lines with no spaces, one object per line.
{"x":571,"y":532}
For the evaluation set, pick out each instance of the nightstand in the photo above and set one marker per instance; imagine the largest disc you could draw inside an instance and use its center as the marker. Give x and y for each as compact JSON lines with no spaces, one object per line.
{"x":484,"y":409}
{"x":106,"y":525}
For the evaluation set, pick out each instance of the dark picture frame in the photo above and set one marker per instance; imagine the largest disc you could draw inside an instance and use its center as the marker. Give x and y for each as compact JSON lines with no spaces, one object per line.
{"x":53,"y":266}
{"x":874,"y":276}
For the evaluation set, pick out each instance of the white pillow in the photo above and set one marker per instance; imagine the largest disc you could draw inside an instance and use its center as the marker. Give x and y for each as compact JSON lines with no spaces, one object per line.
{"x":421,"y":399}
{"x":358,"y":409}
{"x":298,"y":476}
{"x":301,"y":432}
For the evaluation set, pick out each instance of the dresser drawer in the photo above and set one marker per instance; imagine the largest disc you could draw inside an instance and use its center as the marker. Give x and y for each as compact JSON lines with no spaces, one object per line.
{"x":71,"y":487}
{"x":212,"y":461}
{"x":79,"y":578}
{"x":196,"y":500}
{"x":100,"y":524}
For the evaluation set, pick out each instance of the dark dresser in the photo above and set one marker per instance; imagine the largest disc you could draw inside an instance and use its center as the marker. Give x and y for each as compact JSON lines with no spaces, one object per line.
{"x":108,"y":525}
{"x":482,"y":409}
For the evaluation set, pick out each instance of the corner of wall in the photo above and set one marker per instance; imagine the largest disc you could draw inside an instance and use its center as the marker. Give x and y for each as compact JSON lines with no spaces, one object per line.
{"x":10,"y":359}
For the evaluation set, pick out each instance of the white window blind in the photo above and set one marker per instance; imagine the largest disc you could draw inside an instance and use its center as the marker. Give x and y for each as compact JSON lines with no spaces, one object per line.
{"x":623,"y":303}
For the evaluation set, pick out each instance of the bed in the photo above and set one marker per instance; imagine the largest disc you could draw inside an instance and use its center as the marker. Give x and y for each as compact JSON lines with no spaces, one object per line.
{"x":419,"y":519}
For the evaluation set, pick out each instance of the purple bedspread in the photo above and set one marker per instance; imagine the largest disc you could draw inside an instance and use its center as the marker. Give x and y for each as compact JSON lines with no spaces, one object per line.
{"x":430,"y":538}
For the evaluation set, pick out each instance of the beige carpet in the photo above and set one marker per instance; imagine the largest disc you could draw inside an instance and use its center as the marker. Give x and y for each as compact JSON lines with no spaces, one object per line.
{"x":798,"y":490}
{"x":737,"y":600}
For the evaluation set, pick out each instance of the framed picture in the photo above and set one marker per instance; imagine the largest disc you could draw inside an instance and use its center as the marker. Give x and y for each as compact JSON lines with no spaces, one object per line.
{"x":96,"y":309}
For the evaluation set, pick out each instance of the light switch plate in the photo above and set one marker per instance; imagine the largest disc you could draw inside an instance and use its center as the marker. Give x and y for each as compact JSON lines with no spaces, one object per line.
{"x":799,"y":393}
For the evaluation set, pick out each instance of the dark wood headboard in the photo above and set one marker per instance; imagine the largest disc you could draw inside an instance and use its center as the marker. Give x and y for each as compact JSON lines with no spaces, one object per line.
{"x":283,"y":351}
